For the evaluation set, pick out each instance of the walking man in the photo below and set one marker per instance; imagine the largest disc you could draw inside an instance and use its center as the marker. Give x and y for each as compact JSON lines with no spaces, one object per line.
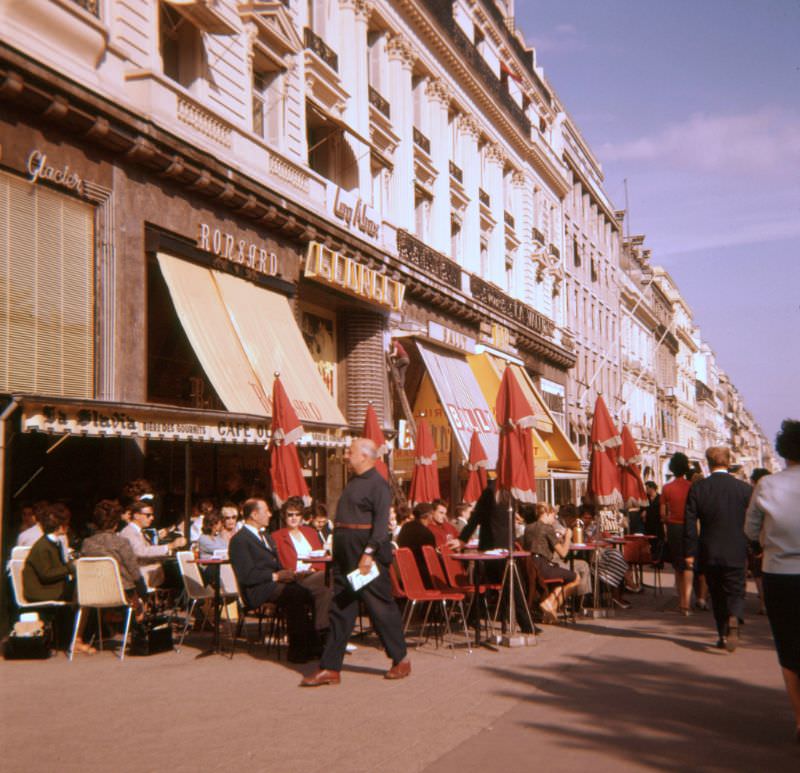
{"x":361,"y":541}
{"x":718,"y":504}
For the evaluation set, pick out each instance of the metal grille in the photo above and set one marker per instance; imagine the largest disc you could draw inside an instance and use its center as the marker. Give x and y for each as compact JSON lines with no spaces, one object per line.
{"x":366,"y":374}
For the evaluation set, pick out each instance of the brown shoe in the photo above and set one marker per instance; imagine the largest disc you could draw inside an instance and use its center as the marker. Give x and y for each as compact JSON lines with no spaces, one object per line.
{"x":321,"y":677}
{"x":399,"y":670}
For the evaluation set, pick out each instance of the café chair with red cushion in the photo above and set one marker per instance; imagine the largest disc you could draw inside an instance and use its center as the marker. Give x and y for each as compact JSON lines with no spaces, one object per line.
{"x":638,"y":555}
{"x":440,"y":583}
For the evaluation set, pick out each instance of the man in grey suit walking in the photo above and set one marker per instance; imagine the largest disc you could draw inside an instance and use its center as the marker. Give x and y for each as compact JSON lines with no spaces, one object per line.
{"x":718,"y":504}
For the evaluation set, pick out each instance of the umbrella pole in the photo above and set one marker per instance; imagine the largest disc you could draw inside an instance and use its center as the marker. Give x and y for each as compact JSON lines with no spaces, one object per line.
{"x":512,"y":637}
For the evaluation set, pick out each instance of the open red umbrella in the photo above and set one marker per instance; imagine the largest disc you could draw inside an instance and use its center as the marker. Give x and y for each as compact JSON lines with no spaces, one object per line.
{"x":425,"y":475}
{"x":629,"y":460}
{"x":604,"y":473}
{"x":373,"y":431}
{"x":515,"y":454}
{"x":476,"y":482}
{"x":284,"y":465}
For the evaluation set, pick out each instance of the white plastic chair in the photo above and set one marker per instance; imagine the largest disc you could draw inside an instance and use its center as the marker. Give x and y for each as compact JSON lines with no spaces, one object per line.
{"x":100,"y":587}
{"x":15,"y":567}
{"x":194,"y":588}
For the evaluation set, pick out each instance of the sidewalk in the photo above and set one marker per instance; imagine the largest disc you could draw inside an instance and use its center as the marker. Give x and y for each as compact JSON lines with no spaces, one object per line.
{"x":640,"y":691}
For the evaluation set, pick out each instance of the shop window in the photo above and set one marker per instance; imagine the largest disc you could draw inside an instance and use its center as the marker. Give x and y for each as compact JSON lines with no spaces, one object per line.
{"x":181,"y":48}
{"x":47,"y":281}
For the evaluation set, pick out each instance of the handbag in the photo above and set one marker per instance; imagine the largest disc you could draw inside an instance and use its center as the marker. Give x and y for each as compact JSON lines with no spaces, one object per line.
{"x":151,"y":636}
{"x":30,"y":641}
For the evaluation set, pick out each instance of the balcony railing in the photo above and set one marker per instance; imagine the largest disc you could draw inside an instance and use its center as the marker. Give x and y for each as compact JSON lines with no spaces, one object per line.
{"x":456,"y":173}
{"x":379,"y":102}
{"x":537,"y":236}
{"x":509,"y":219}
{"x":443,"y":12}
{"x":315,"y":43}
{"x":517,"y":310}
{"x":483,"y":197}
{"x":418,"y":254}
{"x":421,"y":141}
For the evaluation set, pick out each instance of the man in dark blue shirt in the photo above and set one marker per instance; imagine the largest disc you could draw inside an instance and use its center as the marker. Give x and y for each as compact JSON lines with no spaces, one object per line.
{"x":361,"y":539}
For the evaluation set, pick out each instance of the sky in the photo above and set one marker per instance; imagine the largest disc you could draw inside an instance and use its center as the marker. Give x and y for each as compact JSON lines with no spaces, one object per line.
{"x":697,"y":104}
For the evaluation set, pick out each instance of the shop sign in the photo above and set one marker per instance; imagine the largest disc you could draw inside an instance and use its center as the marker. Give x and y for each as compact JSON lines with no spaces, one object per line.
{"x":501,"y":338}
{"x":450,"y":337}
{"x":241,"y":251}
{"x":96,"y":421}
{"x":353,"y":211}
{"x":350,"y":276}
{"x":39,"y":168}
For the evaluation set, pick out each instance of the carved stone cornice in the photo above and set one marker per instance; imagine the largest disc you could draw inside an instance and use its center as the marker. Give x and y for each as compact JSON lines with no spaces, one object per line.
{"x":518,"y":178}
{"x":496,"y":154}
{"x":469,"y":126}
{"x":399,"y":48}
{"x":361,"y":8}
{"x":438,"y":91}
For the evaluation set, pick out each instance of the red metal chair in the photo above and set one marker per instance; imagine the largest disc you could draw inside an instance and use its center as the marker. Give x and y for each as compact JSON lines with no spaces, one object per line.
{"x":416,"y":592}
{"x":458,"y":577}
{"x":440,"y":583}
{"x":638,"y":555}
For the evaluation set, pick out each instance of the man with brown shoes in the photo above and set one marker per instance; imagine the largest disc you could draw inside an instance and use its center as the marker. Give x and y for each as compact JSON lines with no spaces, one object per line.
{"x":361,"y":542}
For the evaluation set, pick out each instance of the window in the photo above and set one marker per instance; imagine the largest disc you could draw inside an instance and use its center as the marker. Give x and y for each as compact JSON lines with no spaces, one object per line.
{"x":576,"y":252}
{"x":422,"y":212}
{"x":181,"y":48}
{"x":269,"y":105}
{"x":509,"y":275}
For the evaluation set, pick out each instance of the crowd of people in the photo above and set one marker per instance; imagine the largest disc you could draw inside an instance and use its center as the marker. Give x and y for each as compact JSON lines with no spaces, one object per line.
{"x":697,"y":523}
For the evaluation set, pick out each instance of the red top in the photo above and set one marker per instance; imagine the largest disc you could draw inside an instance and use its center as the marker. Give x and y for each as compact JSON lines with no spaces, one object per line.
{"x":286,"y":550}
{"x":399,"y":350}
{"x":673,"y":499}
{"x":443,"y":532}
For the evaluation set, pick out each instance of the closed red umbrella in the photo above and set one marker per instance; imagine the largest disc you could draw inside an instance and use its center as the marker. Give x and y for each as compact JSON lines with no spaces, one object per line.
{"x":425,"y":475}
{"x":604,"y":472}
{"x":284,"y":465}
{"x":632,"y":486}
{"x":515,"y":454}
{"x":373,"y":431}
{"x":476,"y":482}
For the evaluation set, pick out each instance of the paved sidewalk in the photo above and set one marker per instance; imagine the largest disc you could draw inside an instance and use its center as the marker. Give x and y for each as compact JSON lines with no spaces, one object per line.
{"x":640,"y":691}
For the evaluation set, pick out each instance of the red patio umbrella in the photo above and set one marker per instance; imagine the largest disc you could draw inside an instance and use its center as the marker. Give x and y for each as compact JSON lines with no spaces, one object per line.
{"x":604,"y":474}
{"x":373,"y":431}
{"x":632,"y":486}
{"x":515,"y":453}
{"x":476,"y":482}
{"x":425,"y":475}
{"x":284,"y":465}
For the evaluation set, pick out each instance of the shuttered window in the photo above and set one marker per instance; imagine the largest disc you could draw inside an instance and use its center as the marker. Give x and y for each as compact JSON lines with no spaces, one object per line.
{"x":46,"y":291}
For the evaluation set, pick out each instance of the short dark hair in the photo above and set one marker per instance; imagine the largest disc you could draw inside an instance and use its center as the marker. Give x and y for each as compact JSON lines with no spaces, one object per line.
{"x":651,"y":484}
{"x":210,"y":520}
{"x":54,"y":516}
{"x":292,"y":503}
{"x":423,"y":509}
{"x":439,"y":503}
{"x":250,"y":505}
{"x":137,"y":507}
{"x":679,"y":465}
{"x":787,"y":442}
{"x":107,"y":514}
{"x":757,"y":474}
{"x":461,"y":508}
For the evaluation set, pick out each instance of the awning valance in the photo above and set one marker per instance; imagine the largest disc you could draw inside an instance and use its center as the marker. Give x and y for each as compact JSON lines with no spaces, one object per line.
{"x":242,"y":335}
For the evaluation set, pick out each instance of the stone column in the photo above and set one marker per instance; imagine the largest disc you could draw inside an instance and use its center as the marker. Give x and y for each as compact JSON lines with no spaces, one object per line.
{"x":471,"y":167}
{"x":522,"y":229}
{"x":438,"y":104}
{"x":497,"y":241}
{"x":401,"y":62}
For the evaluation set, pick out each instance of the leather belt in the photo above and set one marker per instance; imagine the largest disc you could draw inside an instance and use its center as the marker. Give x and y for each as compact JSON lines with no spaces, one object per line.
{"x":360,"y":526}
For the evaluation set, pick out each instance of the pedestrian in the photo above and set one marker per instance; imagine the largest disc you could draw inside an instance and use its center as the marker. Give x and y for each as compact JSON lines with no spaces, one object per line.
{"x":772,"y":518}
{"x":716,"y":508}
{"x":755,"y":554}
{"x":673,"y":506}
{"x":361,"y":542}
{"x":400,"y":361}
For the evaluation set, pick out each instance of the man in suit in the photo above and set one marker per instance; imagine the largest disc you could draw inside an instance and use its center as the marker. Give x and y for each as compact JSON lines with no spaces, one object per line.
{"x":142,"y":515}
{"x":261,"y":579}
{"x":718,"y":504}
{"x":361,"y":541}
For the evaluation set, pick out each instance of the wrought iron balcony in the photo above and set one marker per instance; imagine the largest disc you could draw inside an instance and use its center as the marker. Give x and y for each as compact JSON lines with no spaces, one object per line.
{"x":456,"y":173}
{"x":417,"y":253}
{"x":315,"y":43}
{"x":509,"y":218}
{"x":537,"y":236}
{"x":484,"y":198}
{"x":421,"y":141}
{"x":378,"y":102}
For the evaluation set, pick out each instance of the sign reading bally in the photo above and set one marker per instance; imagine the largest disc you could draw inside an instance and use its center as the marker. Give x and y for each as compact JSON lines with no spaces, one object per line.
{"x":352,"y":277}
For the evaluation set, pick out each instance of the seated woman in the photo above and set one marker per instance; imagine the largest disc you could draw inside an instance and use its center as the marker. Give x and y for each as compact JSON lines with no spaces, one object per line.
{"x":294,"y":543}
{"x":210,"y":544}
{"x":106,"y":541}
{"x":540,"y":538}
{"x":230,"y":520}
{"x":612,"y":568}
{"x":46,"y":576}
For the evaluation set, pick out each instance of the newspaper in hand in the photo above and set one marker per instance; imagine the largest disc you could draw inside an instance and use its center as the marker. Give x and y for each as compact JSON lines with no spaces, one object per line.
{"x":358,"y":580}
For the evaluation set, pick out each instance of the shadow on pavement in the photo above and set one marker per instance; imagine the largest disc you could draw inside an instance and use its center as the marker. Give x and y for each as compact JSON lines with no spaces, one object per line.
{"x":663,"y":719}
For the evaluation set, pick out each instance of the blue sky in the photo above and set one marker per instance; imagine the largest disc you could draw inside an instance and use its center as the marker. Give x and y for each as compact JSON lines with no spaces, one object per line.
{"x":697,"y":104}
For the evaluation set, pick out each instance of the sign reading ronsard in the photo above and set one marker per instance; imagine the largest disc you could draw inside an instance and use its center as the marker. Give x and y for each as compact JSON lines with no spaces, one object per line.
{"x":226,"y":246}
{"x":352,"y":277}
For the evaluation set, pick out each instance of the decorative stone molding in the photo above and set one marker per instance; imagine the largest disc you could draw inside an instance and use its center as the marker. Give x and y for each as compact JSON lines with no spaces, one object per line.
{"x":495,"y":154}
{"x":361,"y":8}
{"x":518,"y":178}
{"x":469,"y":126}
{"x":289,"y":173}
{"x":438,"y":91}
{"x":399,"y":48}
{"x":204,"y":122}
